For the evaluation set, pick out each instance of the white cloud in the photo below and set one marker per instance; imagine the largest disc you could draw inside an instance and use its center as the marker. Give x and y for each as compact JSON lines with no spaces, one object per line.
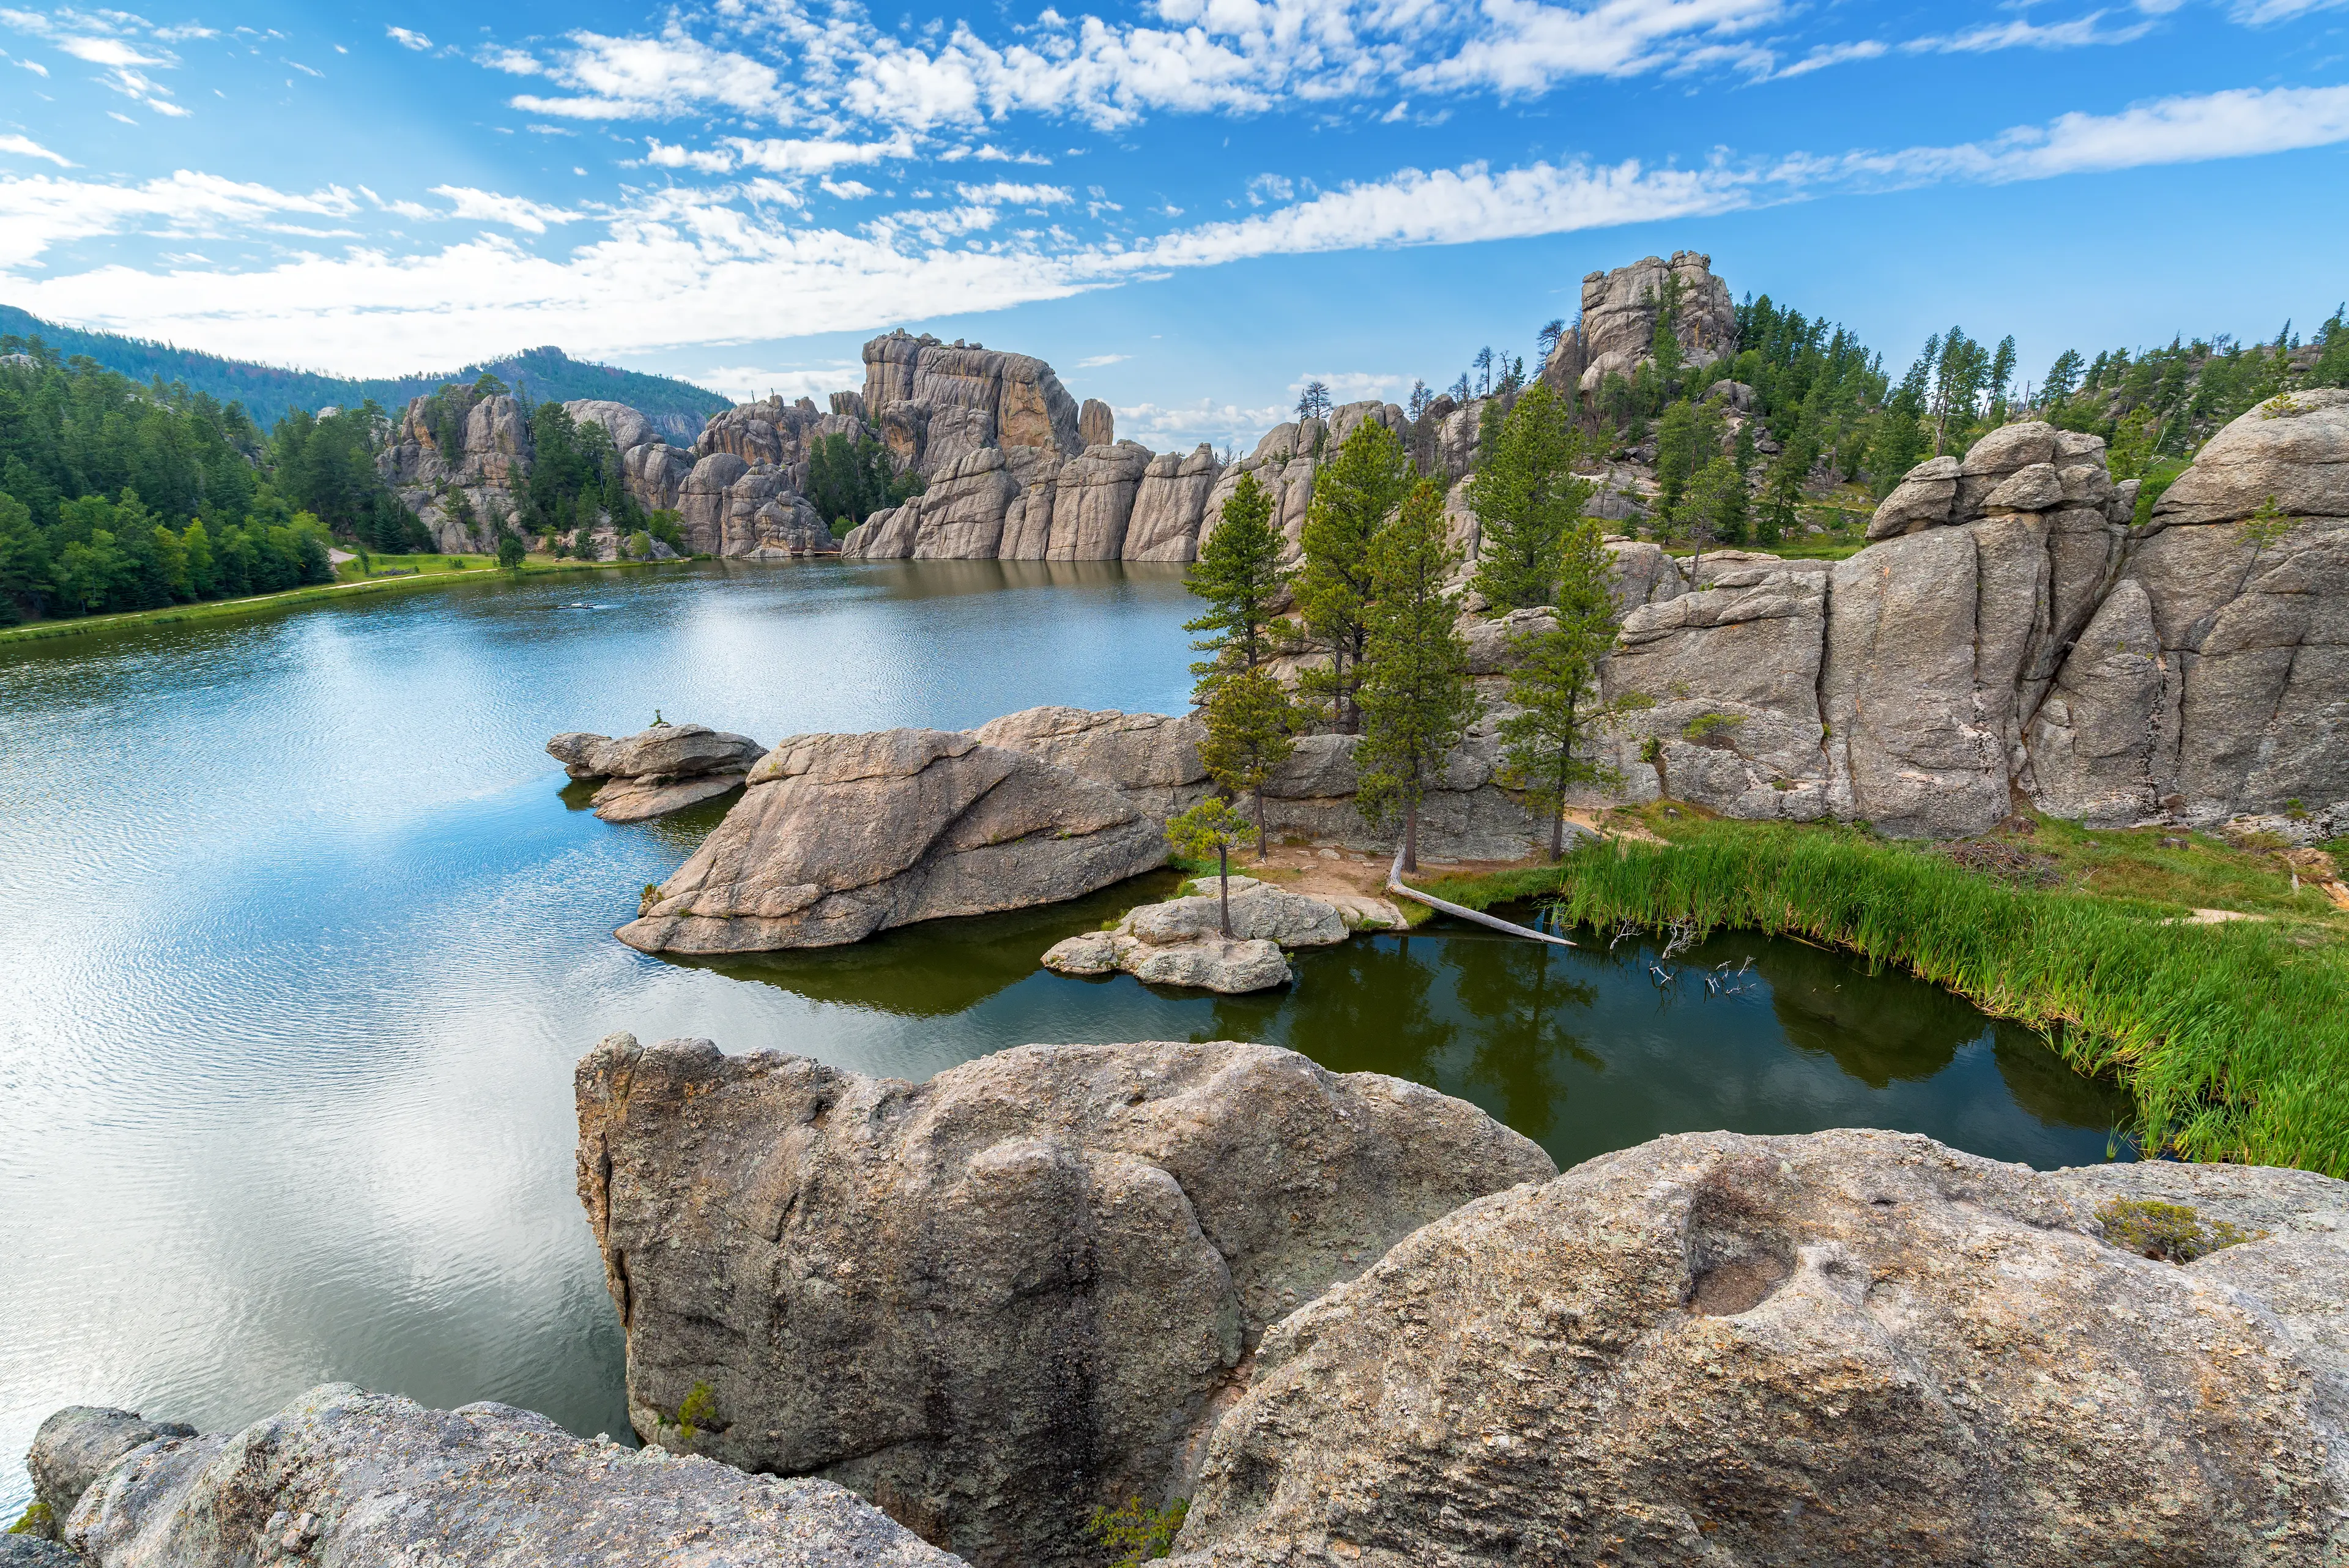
{"x":816,"y":155}
{"x":1188,"y":424}
{"x":1835,"y":55}
{"x":2259,"y":13}
{"x":35,"y":66}
{"x":2236,"y":124}
{"x":407,"y":39}
{"x":531,"y":217}
{"x":667,"y":156}
{"x":639,"y":79}
{"x":847,"y":190}
{"x":2022,"y":33}
{"x":1098,"y":361}
{"x":38,"y":212}
{"x":1003,"y":191}
{"x":108,"y":52}
{"x":747,"y":383}
{"x":26,"y":147}
{"x":1530,"y":46}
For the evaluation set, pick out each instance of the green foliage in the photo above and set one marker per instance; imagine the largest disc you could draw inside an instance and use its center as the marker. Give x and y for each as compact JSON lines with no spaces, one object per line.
{"x":1210,"y":828}
{"x":36,"y":1520}
{"x":1239,"y":574}
{"x":2170,"y":1231}
{"x":512,"y":551}
{"x":1715,"y":507}
{"x":1249,"y":720}
{"x":701,"y":1405}
{"x":1417,"y":698}
{"x":269,"y":393}
{"x":1137,"y":1534}
{"x":1526,"y":497}
{"x":1555,"y":686}
{"x":1705,"y":726}
{"x":850,"y":480}
{"x":2264,"y":527}
{"x":1353,"y":494}
{"x":2233,"y":1038}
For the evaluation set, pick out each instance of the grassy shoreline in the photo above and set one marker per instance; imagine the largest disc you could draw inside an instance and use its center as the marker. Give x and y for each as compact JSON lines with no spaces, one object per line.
{"x":2232,"y":1038}
{"x":217,"y":609}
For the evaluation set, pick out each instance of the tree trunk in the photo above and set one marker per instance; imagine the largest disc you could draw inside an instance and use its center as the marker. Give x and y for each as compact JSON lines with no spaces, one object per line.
{"x":1410,"y":835}
{"x":1224,"y":886}
{"x":1263,"y":832}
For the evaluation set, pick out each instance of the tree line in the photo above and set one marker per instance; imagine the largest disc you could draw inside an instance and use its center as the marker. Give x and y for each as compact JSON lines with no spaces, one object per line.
{"x":1368,"y":614}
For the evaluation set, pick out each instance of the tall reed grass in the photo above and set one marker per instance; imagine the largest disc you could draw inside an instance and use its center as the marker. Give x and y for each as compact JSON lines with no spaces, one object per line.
{"x":2233,"y":1038}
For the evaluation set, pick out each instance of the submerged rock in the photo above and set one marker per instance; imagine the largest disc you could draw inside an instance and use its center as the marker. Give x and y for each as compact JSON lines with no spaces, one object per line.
{"x":838,"y":836}
{"x":996,"y":1300}
{"x":1848,"y":1348}
{"x":344,"y":1476}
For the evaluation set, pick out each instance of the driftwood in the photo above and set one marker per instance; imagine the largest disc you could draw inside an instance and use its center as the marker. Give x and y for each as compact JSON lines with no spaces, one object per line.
{"x":1395,"y":885}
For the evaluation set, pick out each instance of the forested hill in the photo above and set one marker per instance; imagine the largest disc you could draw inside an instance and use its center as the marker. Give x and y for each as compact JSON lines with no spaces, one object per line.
{"x":269,"y":392}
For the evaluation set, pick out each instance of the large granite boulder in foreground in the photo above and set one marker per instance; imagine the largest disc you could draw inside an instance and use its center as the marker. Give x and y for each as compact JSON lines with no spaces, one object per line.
{"x":996,"y":1300}
{"x":343,"y":1476}
{"x":78,"y":1443}
{"x":1853,"y":1348}
{"x":838,"y":836}
{"x":656,"y":771}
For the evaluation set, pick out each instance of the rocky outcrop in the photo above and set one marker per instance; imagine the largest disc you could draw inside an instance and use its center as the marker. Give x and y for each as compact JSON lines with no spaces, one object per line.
{"x":77,"y":1445}
{"x":462,"y":488}
{"x":837,"y":836}
{"x":1181,"y":942}
{"x":656,"y":771}
{"x":912,"y":382}
{"x":344,"y":1476}
{"x":1171,"y":505}
{"x":1619,"y":319}
{"x":996,"y":1300}
{"x":1093,"y":501}
{"x":1096,"y":423}
{"x":2238,"y":699}
{"x":1849,"y":1347}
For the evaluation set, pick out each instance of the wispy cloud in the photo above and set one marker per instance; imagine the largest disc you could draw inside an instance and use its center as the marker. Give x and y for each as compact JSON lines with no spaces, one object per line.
{"x":531,"y":217}
{"x":26,"y":147}
{"x":407,"y":39}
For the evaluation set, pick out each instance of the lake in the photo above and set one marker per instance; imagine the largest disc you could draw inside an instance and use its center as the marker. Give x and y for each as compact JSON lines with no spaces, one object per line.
{"x":306,"y":934}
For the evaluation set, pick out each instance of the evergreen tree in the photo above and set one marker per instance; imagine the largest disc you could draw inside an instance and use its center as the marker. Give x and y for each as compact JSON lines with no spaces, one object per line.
{"x":1676,"y":457}
{"x":1417,"y":698}
{"x":2063,"y":377}
{"x":1249,"y":717}
{"x":1782,"y":491}
{"x":1526,"y":496}
{"x":1313,"y":403}
{"x":1717,"y":498}
{"x":1238,"y":572}
{"x":1555,"y":686}
{"x":1210,"y":828}
{"x":1353,"y":494}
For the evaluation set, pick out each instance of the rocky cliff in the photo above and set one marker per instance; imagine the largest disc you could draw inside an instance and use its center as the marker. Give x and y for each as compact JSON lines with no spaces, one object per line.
{"x":1617,"y":331}
{"x":2012,"y":637}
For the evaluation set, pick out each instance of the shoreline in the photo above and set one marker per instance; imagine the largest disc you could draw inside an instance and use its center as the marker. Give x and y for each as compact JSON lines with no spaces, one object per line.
{"x":216,"y":610}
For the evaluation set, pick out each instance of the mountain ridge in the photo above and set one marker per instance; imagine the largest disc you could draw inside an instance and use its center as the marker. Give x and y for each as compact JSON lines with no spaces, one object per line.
{"x":271,"y":391}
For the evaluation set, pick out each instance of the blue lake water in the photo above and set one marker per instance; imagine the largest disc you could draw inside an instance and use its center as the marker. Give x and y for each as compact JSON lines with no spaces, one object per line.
{"x":303,"y":937}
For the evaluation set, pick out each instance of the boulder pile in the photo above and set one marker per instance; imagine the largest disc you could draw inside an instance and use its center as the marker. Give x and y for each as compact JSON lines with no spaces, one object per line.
{"x":1181,"y":942}
{"x":996,"y":1300}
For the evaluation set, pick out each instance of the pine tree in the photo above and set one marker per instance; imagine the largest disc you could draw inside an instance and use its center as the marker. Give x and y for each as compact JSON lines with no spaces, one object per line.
{"x":1524,"y":497}
{"x":1210,"y":828}
{"x":1417,"y":700}
{"x":1676,"y":457}
{"x":1239,"y":574}
{"x":1555,"y":686}
{"x":1249,"y":717}
{"x":1353,"y":494}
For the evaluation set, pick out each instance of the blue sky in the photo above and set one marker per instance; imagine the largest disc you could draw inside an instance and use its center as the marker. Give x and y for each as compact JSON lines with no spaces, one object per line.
{"x":1188,"y":207}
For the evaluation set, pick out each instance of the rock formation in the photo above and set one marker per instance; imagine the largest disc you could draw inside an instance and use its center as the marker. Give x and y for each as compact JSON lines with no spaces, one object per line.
{"x":2010,"y":635}
{"x":343,"y":1476}
{"x":1848,"y":1348}
{"x":838,"y":836}
{"x":483,"y":465}
{"x":656,"y":771}
{"x":1617,"y":328}
{"x":78,"y":1443}
{"x":1181,"y":942}
{"x":996,"y":1300}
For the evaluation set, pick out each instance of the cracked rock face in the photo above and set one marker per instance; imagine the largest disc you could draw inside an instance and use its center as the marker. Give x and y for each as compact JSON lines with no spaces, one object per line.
{"x":837,"y":836}
{"x":998,"y":1299}
{"x":1852,"y":1347}
{"x":344,"y":1476}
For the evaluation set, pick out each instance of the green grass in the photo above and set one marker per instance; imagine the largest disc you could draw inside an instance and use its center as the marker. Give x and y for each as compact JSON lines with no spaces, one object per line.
{"x":479,"y":568}
{"x":2233,"y":1038}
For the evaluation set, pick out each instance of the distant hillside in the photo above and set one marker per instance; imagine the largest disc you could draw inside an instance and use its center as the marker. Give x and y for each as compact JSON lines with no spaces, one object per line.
{"x":268,"y":392}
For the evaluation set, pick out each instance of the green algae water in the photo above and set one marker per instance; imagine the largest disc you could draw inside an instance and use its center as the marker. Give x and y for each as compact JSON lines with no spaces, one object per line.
{"x":304,"y":934}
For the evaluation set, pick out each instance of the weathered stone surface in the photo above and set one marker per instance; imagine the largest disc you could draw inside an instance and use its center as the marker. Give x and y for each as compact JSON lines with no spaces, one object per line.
{"x":1619,"y":315}
{"x":1000,"y":1298}
{"x":344,"y":1476}
{"x":1921,"y":500}
{"x":490,"y":458}
{"x":1849,"y":1347}
{"x":628,"y":427}
{"x":1170,"y":505}
{"x":2035,"y":488}
{"x":1207,"y":963}
{"x":78,"y":1443}
{"x":1092,"y":500}
{"x":1096,"y":423}
{"x":663,"y":751}
{"x":1493,"y":644}
{"x":1732,"y":668}
{"x":1284,"y":464}
{"x":838,"y":836}
{"x":2294,"y":448}
{"x":1260,"y":911}
{"x":732,"y":507}
{"x":642,"y":800}
{"x":1152,"y":759}
{"x":1021,"y":396}
{"x":2092,"y":738}
{"x":1644,"y":575}
{"x":1466,"y":817}
{"x":29,"y":1551}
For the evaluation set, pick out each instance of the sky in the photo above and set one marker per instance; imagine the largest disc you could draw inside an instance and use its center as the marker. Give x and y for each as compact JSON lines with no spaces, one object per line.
{"x":1190,"y":207}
